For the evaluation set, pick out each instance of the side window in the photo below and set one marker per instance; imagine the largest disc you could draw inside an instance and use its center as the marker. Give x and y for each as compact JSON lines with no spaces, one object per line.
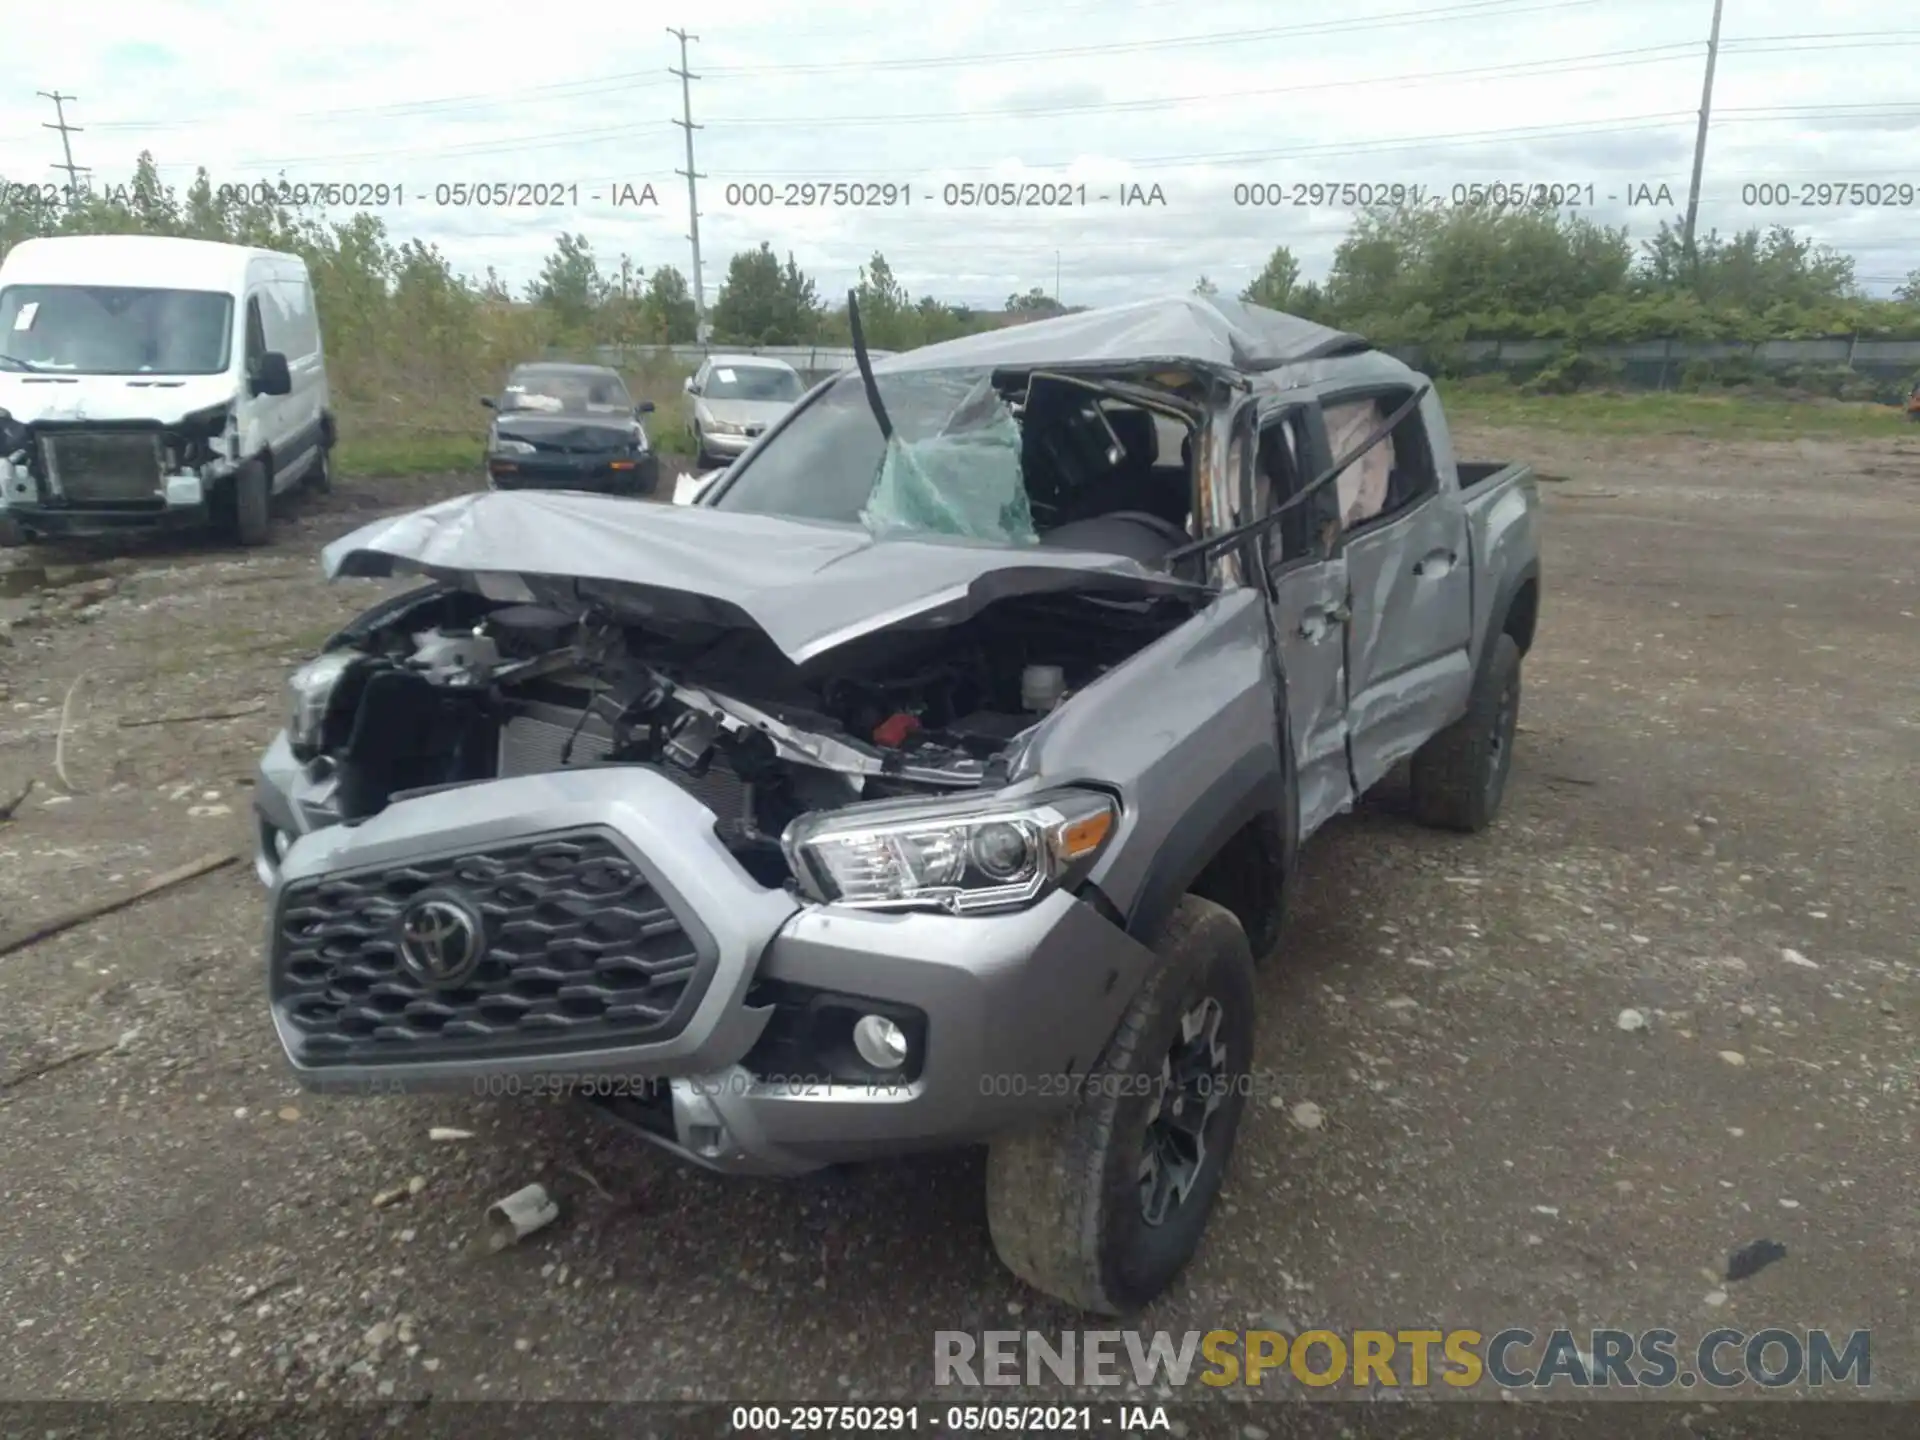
{"x":1389,"y":479}
{"x":256,"y":330}
{"x":302,"y":337}
{"x":1279,"y":475}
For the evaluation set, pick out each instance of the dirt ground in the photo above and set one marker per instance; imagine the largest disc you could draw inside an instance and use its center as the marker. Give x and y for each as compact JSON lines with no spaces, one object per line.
{"x":1710,"y":821}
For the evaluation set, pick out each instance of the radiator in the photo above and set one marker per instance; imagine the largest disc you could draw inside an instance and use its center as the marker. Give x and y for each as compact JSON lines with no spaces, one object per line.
{"x":105,"y":467}
{"x":531,"y":744}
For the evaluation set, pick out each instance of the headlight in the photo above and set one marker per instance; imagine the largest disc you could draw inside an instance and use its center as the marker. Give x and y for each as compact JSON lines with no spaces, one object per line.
{"x":512,"y":447}
{"x":310,"y":692}
{"x":726,"y":427}
{"x":962,"y":857}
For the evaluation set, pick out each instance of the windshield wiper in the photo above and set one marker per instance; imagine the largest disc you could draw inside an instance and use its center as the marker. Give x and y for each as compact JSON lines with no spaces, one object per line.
{"x":871,"y":385}
{"x":18,"y":364}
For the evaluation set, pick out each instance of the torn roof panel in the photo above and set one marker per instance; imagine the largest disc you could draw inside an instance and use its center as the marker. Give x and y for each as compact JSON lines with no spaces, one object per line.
{"x":1191,"y":329}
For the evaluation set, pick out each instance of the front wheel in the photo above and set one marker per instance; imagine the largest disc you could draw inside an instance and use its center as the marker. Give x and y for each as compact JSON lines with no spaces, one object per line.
{"x":1460,"y":775}
{"x":1103,"y":1206}
{"x":252,"y":504}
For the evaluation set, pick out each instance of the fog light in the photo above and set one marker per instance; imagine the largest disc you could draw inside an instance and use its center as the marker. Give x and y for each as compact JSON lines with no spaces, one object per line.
{"x":881,"y":1043}
{"x":282,"y":843}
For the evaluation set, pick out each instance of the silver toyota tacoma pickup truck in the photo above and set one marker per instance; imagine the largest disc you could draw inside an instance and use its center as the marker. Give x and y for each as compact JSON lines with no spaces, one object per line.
{"x":935,"y":779}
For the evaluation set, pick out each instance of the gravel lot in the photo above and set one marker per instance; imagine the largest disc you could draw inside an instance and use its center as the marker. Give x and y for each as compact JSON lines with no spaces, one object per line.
{"x":1710,"y":822}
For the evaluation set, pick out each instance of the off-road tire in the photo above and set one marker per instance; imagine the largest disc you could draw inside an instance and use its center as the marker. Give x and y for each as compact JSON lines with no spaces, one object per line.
{"x":320,"y":474}
{"x":252,"y":504}
{"x":1063,"y":1198}
{"x":1460,"y":775}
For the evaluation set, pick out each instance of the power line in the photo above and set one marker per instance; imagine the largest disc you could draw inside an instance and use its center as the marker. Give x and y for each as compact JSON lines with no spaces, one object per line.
{"x":1518,"y":69}
{"x":1472,"y":10}
{"x":701,"y":330}
{"x":66,"y":145}
{"x":585,"y":89}
{"x":1513,"y":70}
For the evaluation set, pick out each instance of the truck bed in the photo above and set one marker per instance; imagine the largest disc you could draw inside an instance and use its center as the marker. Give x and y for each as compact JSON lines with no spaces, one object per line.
{"x":1503,"y":523}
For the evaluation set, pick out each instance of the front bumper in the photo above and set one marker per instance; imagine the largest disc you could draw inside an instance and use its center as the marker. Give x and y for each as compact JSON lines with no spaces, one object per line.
{"x":716,"y":443}
{"x":1015,"y":1005}
{"x":639,"y":475}
{"x":180,"y":500}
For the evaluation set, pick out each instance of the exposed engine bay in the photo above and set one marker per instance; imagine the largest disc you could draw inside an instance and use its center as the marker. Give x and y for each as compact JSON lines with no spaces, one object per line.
{"x":444,"y":687}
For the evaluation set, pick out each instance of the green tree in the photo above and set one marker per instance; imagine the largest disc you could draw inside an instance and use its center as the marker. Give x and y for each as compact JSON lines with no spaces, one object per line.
{"x":571,"y":285}
{"x":762,"y":303}
{"x":1035,"y":302}
{"x":669,"y":307}
{"x":1206,"y":287}
{"x":887,"y":315}
{"x":1909,"y":291}
{"x":1273,"y":287}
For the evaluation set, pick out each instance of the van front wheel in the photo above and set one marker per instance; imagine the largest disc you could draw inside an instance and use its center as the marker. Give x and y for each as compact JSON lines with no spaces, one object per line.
{"x":251,"y":504}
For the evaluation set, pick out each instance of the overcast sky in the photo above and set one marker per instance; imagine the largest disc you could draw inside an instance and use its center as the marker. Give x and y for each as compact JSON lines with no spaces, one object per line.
{"x":1195,"y":99}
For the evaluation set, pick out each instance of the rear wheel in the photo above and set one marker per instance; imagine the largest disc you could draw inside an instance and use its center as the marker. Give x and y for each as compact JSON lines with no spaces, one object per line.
{"x":320,"y":477}
{"x":1460,"y":775}
{"x":1104,"y":1206}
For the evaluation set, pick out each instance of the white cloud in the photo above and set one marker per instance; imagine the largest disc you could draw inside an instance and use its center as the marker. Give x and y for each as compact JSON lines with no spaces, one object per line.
{"x":1105,"y":92}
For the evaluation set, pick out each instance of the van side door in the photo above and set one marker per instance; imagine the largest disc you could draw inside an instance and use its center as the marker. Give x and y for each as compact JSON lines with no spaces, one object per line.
{"x":306,"y":364}
{"x":1404,"y":536}
{"x":1306,"y":583}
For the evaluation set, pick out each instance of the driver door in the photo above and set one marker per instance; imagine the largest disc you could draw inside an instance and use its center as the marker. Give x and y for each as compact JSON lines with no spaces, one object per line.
{"x":1306,"y":583}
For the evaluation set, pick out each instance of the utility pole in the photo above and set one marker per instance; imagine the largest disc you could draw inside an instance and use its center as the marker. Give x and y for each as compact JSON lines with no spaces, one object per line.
{"x":1700,"y":139}
{"x":1056,"y":277}
{"x":73,"y":171}
{"x":702,"y":330}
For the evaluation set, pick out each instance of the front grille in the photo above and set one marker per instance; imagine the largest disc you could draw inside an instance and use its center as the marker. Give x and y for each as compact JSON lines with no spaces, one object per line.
{"x":105,"y":468}
{"x":532,"y":744}
{"x":580,"y":953}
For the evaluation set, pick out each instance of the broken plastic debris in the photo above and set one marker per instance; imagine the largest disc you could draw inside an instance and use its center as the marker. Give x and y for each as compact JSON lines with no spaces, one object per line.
{"x":447,"y":1132}
{"x":520,"y":1215}
{"x":1631,"y":1020}
{"x":1794,"y":957}
{"x":1750,"y":1260}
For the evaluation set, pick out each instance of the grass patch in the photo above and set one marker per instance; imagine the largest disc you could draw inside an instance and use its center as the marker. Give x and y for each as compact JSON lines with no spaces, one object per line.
{"x":436,"y":438}
{"x":378,"y":451}
{"x":1748,"y":416}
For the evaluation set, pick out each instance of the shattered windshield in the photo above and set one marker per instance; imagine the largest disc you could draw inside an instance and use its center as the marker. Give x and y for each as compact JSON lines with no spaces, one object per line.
{"x":952,"y":467}
{"x":116,"y":329}
{"x":752,"y":382}
{"x":570,"y":392}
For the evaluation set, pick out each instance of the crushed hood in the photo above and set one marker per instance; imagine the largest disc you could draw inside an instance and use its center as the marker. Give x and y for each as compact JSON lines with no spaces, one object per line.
{"x":568,"y":432}
{"x":66,"y":398}
{"x":808,"y":586}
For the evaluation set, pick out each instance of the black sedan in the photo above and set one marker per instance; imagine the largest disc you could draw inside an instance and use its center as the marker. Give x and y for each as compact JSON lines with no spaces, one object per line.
{"x":569,"y":427}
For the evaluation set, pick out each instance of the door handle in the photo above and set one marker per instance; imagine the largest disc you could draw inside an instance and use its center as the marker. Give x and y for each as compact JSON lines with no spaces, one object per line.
{"x":1437,"y":562}
{"x":1319,"y":621}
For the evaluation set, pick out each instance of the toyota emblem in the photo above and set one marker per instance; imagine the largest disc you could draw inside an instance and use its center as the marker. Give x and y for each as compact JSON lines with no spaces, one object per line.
{"x":441,"y":940}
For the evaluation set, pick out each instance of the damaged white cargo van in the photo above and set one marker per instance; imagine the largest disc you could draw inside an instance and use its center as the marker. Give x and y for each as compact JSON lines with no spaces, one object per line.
{"x":148,"y":381}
